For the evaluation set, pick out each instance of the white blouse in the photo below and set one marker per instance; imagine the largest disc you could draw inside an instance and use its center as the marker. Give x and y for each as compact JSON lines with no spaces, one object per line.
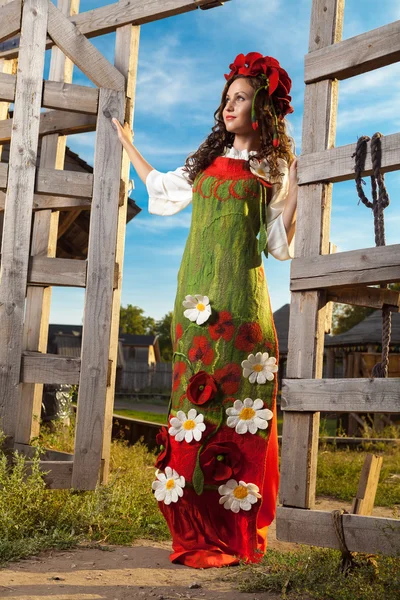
{"x":171,"y":192}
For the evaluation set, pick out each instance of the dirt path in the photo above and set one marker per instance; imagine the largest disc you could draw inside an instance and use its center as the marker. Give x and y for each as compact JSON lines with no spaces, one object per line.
{"x":139,"y":572}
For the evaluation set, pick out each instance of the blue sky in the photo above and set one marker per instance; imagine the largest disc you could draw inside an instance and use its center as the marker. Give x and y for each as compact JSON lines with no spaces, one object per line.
{"x":182,"y":61}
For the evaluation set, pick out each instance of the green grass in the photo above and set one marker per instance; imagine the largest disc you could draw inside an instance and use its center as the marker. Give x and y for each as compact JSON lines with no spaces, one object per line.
{"x":34,"y":518}
{"x":313,"y":573}
{"x":142,"y":415}
{"x":338,"y":473}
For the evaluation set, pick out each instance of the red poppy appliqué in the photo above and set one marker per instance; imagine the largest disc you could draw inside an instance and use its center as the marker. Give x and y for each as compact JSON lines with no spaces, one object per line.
{"x":201,"y":350}
{"x":224,"y":327}
{"x":248,"y":336}
{"x":179,"y":369}
{"x":228,"y":378}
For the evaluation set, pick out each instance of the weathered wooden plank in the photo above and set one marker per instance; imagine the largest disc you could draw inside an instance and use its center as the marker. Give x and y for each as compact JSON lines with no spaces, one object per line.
{"x":99,"y":293}
{"x":366,"y":296}
{"x":46,"y":271}
{"x":43,"y":202}
{"x":126,"y":61}
{"x":361,"y":53}
{"x":56,"y":474}
{"x":56,"y":95}
{"x":366,"y":266}
{"x":380,"y":395}
{"x":64,"y":183}
{"x":71,"y":97}
{"x":54,"y":121}
{"x":315,"y":528}
{"x":18,"y":209}
{"x":84,"y":55}
{"x":48,"y":454}
{"x":337,"y":164}
{"x":57,"y":183}
{"x":10,"y":19}
{"x":307,"y":310}
{"x":363,"y":503}
{"x":49,"y":368}
{"x":109,"y":18}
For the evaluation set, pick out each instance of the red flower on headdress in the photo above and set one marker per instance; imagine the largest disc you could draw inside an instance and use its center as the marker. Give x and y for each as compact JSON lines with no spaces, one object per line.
{"x":255,"y":64}
{"x":179,"y":369}
{"x":249,"y":334}
{"x":201,"y":350}
{"x":224,"y":327}
{"x":162,"y":439}
{"x":228,"y":378}
{"x":201,"y":388}
{"x":220,"y":462}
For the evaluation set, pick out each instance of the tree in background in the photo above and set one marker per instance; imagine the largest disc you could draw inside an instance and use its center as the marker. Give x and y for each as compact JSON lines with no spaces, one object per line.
{"x":163,"y":329}
{"x":346,"y":316}
{"x":133,"y":321}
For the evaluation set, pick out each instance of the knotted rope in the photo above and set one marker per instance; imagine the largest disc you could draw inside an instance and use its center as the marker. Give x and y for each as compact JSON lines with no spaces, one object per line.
{"x":380,"y":200}
{"x":337,"y":521}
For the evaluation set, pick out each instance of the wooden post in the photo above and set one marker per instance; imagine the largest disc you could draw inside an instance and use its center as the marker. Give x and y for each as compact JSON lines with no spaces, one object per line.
{"x":44,"y":243}
{"x":99,"y":293}
{"x":363,"y":503}
{"x":18,"y":206}
{"x":126,"y":60}
{"x":307,"y":310}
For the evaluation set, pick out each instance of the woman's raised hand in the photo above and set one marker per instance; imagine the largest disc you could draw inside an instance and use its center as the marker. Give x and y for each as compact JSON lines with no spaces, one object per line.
{"x":125,"y":134}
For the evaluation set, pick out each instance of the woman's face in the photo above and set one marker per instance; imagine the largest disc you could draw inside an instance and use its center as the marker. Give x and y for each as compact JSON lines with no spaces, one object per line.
{"x":237,"y":109}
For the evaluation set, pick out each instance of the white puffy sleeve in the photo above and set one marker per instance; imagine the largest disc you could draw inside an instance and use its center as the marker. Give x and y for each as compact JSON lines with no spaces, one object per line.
{"x":168,"y":192}
{"x":277,"y":239}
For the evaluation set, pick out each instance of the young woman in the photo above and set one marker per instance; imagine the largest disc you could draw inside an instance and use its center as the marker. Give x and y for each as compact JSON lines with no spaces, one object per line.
{"x":217,"y":476}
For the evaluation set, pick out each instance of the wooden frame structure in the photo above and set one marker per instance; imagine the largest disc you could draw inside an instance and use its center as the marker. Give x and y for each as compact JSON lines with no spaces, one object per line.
{"x":317,"y":277}
{"x":31,"y":196}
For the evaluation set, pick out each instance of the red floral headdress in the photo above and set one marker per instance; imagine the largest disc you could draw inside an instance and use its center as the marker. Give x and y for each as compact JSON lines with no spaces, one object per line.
{"x":277,"y":84}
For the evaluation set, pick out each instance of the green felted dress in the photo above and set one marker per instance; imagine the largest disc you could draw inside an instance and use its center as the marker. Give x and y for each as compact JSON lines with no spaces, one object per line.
{"x":218,"y":468}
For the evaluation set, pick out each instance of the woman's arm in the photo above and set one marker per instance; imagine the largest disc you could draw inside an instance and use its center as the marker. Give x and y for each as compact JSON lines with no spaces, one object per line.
{"x":289,"y":212}
{"x":125,"y":135}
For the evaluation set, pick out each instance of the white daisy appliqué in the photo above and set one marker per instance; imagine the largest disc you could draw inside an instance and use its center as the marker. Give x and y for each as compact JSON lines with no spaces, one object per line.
{"x":248,"y":416}
{"x":238,"y":496}
{"x":198,"y":308}
{"x":260,"y":168}
{"x":168,"y":486}
{"x":187,"y":427}
{"x":260,"y":368}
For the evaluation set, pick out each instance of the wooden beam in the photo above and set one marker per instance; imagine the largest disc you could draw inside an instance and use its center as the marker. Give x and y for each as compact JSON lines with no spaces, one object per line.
{"x":67,"y":36}
{"x":56,"y":95}
{"x":49,"y":368}
{"x":18,"y":208}
{"x":57,"y":271}
{"x":366,"y":296}
{"x":337,"y":164}
{"x":56,"y":183}
{"x":381,"y":395}
{"x":367,"y":266}
{"x":99,"y":293}
{"x":56,"y":474}
{"x":10,"y":19}
{"x":363,"y":503}
{"x":54,"y":121}
{"x":126,"y":61}
{"x":49,"y":454}
{"x":109,"y":18}
{"x":315,"y":528}
{"x":308,"y":309}
{"x":371,"y":50}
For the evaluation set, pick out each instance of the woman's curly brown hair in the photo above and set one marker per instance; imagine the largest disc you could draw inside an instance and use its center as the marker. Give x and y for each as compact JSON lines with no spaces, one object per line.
{"x":219,"y":138}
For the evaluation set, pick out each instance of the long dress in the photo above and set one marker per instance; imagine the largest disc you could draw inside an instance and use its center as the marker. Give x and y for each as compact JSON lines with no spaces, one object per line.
{"x":217,"y":477}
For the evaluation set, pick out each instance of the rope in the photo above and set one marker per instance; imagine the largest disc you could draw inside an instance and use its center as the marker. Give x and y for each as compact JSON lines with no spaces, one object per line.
{"x":380,"y":200}
{"x":347,"y":557}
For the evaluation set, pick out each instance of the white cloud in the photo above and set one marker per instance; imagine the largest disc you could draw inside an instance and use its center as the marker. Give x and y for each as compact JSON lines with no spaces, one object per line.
{"x":157,"y":224}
